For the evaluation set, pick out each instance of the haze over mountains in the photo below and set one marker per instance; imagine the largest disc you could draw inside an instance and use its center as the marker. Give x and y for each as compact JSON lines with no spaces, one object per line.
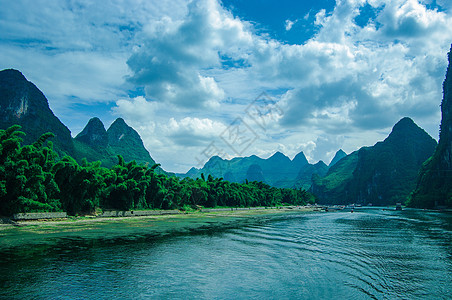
{"x":277,"y":170}
{"x":382,"y":174}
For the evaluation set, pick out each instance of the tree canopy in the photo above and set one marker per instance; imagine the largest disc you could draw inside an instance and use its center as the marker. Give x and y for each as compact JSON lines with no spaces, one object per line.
{"x":33,"y":178}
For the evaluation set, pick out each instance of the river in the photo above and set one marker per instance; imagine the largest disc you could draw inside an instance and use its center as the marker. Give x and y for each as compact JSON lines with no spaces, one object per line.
{"x":368,"y":254}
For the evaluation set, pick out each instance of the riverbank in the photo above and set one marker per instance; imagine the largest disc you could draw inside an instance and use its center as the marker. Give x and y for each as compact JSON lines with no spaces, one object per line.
{"x":145,"y":214}
{"x":43,"y":234}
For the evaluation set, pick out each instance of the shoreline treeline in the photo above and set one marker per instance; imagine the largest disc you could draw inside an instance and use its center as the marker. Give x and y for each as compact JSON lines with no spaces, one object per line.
{"x":34,"y":179}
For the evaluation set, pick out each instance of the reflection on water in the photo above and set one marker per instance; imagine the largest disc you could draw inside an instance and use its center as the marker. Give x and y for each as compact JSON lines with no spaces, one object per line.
{"x":369,"y":254}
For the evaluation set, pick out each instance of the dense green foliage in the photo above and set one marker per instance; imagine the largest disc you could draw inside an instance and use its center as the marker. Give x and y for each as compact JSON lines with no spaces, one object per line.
{"x":33,"y":179}
{"x":26,"y":181}
{"x":334,"y":186}
{"x":434,"y":185}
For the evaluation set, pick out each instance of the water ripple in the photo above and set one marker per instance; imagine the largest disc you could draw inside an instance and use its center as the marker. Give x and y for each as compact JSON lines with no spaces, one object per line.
{"x":370,"y":254}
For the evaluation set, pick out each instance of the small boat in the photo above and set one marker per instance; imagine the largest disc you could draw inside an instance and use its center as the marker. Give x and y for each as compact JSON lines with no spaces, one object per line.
{"x":398,"y":206}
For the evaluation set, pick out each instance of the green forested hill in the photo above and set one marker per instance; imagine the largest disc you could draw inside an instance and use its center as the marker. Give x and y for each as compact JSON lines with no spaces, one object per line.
{"x":125,"y":140}
{"x":304,"y":177}
{"x":340,"y":154}
{"x":334,"y":187}
{"x":383,"y":174}
{"x":96,"y":143}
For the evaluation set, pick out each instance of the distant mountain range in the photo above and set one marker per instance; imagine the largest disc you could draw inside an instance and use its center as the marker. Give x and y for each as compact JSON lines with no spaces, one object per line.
{"x":22,"y":103}
{"x":277,"y":170}
{"x":382,"y":174}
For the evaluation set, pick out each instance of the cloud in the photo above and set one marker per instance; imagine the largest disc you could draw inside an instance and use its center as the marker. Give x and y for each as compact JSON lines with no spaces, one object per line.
{"x":137,"y":109}
{"x":289,"y":24}
{"x":193,"y":131}
{"x":175,"y":54}
{"x":410,"y":19}
{"x":196,"y":67}
{"x":347,"y":79}
{"x":76,"y":51}
{"x":360,"y":77}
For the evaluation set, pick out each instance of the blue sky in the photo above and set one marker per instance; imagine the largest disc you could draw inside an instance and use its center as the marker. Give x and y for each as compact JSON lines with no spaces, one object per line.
{"x":186,"y":74}
{"x":286,"y":20}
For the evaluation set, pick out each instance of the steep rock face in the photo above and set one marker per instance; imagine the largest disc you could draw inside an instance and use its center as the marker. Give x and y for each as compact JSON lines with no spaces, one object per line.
{"x":94,"y":134}
{"x":124,"y":140}
{"x":383,"y":174}
{"x":445,"y":137}
{"x":434,"y":184}
{"x":22,"y":103}
{"x":387,"y":173}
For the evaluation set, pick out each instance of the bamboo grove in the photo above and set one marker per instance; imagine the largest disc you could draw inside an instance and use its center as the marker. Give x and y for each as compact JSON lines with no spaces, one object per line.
{"x":33,"y":178}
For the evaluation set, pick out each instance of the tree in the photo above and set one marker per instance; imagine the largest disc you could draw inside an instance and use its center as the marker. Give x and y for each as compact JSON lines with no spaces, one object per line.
{"x":26,"y":183}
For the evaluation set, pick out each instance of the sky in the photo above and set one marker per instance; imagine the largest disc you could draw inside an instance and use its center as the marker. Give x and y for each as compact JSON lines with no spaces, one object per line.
{"x":235,"y":77}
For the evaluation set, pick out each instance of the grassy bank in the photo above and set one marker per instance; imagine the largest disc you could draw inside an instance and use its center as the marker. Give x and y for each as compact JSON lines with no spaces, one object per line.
{"x":154,"y":214}
{"x":31,"y":236}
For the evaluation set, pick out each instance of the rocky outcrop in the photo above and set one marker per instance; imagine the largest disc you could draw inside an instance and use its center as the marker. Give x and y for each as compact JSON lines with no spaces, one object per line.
{"x":22,"y":103}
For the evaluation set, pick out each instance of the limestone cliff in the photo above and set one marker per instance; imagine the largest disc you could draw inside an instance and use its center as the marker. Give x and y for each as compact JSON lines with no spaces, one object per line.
{"x":434,"y":186}
{"x":22,"y":103}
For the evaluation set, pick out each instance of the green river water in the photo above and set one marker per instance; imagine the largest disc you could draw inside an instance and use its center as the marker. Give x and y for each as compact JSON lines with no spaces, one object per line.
{"x":368,"y":254}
